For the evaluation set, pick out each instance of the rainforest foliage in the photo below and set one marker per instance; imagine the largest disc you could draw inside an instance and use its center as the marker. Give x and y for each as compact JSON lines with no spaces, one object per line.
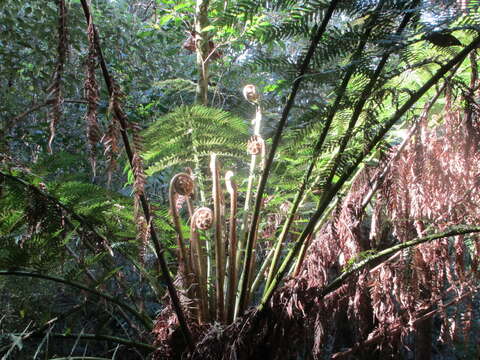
{"x":239,"y":179}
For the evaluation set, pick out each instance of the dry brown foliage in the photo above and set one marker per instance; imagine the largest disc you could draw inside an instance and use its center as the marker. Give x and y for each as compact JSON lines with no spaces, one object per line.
{"x":143,"y":228}
{"x":111,"y":139}
{"x":191,"y":45}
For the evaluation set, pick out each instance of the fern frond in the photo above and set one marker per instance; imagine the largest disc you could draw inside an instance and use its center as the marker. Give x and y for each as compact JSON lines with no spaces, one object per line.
{"x":173,"y":139}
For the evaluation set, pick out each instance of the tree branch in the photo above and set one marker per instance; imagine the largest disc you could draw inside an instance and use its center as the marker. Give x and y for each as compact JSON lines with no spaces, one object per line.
{"x":31,"y":110}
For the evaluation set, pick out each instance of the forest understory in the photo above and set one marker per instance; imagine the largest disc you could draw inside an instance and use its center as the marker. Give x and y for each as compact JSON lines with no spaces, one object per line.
{"x":239,"y":179}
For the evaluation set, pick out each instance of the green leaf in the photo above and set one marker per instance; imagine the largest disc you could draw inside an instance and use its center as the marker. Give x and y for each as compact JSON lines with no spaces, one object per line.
{"x":165,"y":19}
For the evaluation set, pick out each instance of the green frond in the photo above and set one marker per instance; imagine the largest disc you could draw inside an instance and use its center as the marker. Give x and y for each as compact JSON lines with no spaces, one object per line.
{"x":194,"y":131}
{"x":73,"y":192}
{"x":299,"y":17}
{"x":472,"y":16}
{"x":35,"y":228}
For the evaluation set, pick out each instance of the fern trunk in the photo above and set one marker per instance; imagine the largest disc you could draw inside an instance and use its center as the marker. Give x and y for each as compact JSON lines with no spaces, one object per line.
{"x":201,"y":43}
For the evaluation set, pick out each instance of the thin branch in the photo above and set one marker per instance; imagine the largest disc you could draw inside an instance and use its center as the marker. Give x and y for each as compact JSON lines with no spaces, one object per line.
{"x":38,"y":106}
{"x":161,"y":264}
{"x":31,"y":110}
{"x":76,"y":101}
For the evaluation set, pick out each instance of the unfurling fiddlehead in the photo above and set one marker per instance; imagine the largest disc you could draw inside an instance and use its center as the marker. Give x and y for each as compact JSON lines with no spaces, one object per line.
{"x":232,"y":246}
{"x":255,"y":146}
{"x":219,"y":241}
{"x":227,"y":253}
{"x":181,"y":184}
{"x":202,"y":219}
{"x":251,"y":94}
